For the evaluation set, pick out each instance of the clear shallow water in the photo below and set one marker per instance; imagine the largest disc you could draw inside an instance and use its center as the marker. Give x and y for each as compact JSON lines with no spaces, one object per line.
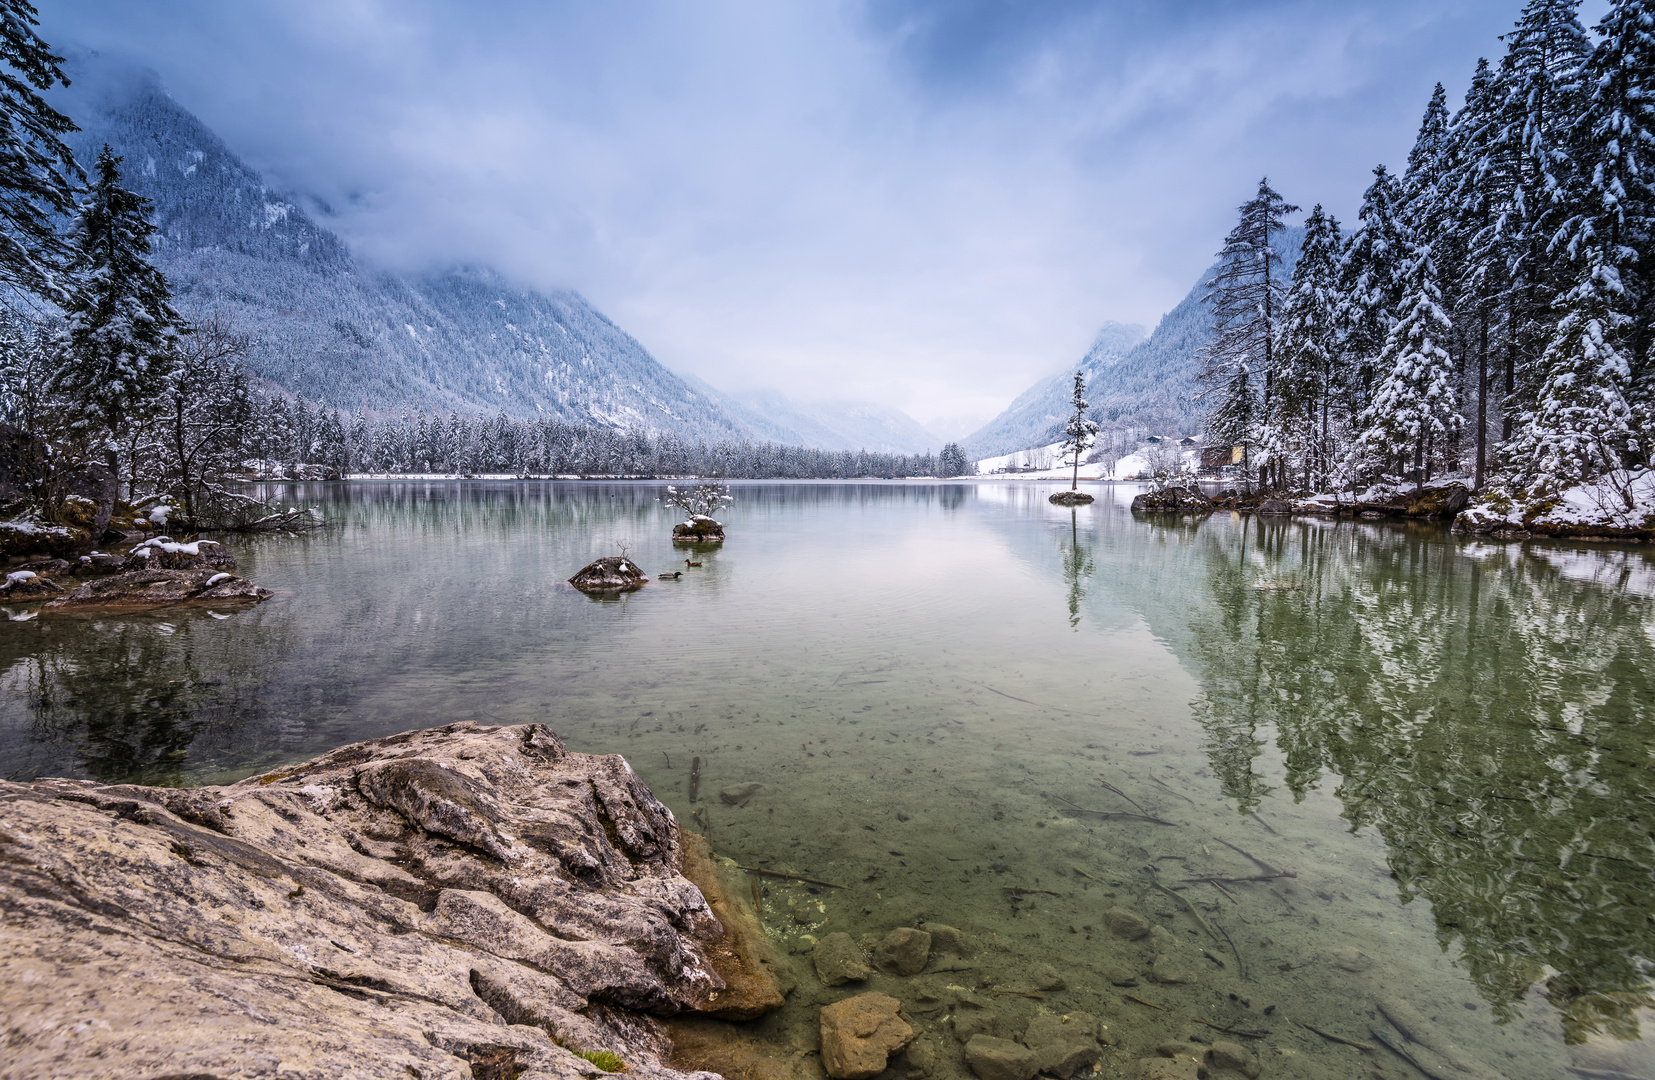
{"x":1446,"y":741}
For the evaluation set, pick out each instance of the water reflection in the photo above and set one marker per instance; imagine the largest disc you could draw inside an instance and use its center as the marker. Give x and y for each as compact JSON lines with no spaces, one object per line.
{"x":1077,"y":567}
{"x":1490,"y":711}
{"x":1487,"y":710}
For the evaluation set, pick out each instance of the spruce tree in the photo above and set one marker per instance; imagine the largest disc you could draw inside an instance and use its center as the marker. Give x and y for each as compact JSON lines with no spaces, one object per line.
{"x":1081,"y":430}
{"x":1371,"y":285}
{"x":1415,"y":407}
{"x":1308,"y":353}
{"x":38,"y":174}
{"x":121,"y":329}
{"x":1613,"y":193}
{"x":1581,"y":425}
{"x":1475,"y":189}
{"x":1238,"y":367}
{"x":1540,"y":93}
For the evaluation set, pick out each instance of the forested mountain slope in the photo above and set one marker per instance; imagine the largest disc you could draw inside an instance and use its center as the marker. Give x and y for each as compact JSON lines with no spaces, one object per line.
{"x":1134,"y":384}
{"x":348,"y":335}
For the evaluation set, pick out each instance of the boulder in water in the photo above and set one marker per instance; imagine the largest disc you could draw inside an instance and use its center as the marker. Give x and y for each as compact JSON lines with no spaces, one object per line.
{"x":1172,"y":500}
{"x":698,"y":530}
{"x":139,"y":589}
{"x":614,"y":573}
{"x":1069,"y":498}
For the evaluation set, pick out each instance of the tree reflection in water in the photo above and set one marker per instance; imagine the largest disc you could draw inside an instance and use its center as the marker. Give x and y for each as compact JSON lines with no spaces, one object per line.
{"x":1490,"y":710}
{"x":1077,"y":567}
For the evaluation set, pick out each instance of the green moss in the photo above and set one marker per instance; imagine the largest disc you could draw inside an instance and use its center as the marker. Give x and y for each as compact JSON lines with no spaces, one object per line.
{"x":603,"y":1059}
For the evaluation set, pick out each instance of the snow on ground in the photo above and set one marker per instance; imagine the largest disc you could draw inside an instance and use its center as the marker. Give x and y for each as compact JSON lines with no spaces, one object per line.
{"x":1620,"y":502}
{"x":1046,"y":463}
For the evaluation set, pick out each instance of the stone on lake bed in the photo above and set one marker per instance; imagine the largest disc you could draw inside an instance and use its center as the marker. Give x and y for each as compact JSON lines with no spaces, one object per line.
{"x":1000,"y":1059}
{"x":1064,"y":1044}
{"x":1046,"y":977}
{"x":1126,"y":924}
{"x":860,"y":1033}
{"x":1233,"y":1056}
{"x":946,"y":939}
{"x":738,"y":794}
{"x":838,"y":960}
{"x":614,"y":573}
{"x":904,"y":951}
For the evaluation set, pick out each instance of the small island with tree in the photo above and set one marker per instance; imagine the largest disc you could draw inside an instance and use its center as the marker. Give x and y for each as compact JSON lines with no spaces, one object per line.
{"x":1078,"y":437}
{"x":700,"y":502}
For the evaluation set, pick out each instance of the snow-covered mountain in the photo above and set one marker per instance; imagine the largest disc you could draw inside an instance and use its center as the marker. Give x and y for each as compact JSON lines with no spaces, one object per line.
{"x":353,"y":336}
{"x":1133,"y":383}
{"x":1043,"y":408}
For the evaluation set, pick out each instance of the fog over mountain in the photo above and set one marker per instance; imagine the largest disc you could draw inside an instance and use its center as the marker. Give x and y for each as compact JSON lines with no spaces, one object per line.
{"x":352,"y":336}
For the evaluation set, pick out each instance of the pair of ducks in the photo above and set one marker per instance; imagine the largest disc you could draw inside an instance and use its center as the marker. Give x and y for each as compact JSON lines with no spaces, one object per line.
{"x":676,"y":574}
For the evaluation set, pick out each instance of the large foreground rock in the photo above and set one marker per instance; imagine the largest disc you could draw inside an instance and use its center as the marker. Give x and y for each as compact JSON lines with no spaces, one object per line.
{"x":459,"y":902}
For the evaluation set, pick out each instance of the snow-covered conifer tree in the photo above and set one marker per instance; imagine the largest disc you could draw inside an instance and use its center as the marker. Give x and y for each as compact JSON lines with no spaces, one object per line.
{"x":38,"y":174}
{"x":122,"y":330}
{"x":1238,"y":367}
{"x":1371,"y":284}
{"x":1415,"y":407}
{"x":1081,"y":430}
{"x":1476,"y":187}
{"x":1304,"y":425}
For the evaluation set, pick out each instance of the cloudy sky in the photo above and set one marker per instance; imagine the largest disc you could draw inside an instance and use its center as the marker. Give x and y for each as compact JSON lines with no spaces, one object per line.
{"x":926,"y":202}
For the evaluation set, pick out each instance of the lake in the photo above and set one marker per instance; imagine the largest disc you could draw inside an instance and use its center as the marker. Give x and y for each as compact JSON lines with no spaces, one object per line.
{"x":1351,"y":769}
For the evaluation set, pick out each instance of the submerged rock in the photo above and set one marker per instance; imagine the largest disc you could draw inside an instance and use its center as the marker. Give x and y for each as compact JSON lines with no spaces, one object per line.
{"x":1000,"y":1059}
{"x":1224,"y":1055}
{"x":139,"y":589}
{"x":1064,"y":1045}
{"x":614,"y":573}
{"x":417,"y":905}
{"x":1126,"y":924}
{"x":903,"y":951}
{"x":860,"y":1033}
{"x":738,"y":794}
{"x":839,"y":960}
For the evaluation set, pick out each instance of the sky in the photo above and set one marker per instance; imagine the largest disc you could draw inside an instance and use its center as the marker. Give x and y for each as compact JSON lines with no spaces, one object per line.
{"x":927,"y":203}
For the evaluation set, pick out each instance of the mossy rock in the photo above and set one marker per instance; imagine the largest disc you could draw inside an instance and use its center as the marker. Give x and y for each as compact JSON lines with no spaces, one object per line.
{"x":1069,"y":498}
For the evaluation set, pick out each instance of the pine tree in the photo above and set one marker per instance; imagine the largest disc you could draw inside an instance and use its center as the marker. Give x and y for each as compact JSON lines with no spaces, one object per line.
{"x":38,"y":174}
{"x":122,"y":331}
{"x":1308,"y":354}
{"x":1238,"y":368}
{"x":1581,"y":425}
{"x":1415,"y":407}
{"x":1081,"y":430}
{"x":1371,"y":285}
{"x":1475,"y":189}
{"x":1540,"y":93}
{"x":1613,"y":147}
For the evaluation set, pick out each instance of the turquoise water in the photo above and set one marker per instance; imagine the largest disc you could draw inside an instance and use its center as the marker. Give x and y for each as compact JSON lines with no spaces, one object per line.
{"x":974,"y":708}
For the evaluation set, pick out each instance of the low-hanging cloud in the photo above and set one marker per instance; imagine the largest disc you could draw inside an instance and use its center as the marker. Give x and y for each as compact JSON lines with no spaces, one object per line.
{"x":927,"y":202}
